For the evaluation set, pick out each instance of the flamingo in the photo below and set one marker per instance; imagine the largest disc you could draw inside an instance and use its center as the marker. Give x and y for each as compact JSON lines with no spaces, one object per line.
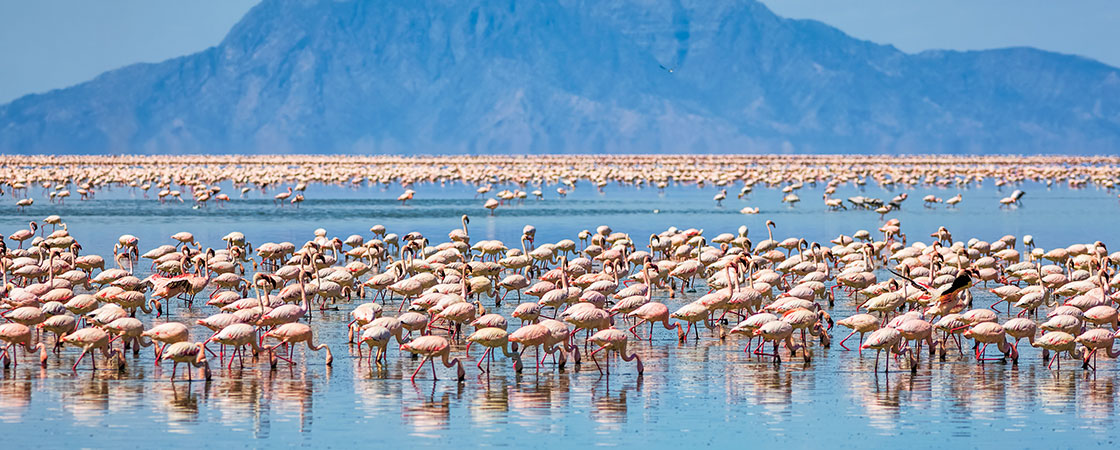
{"x":720,"y":197}
{"x":653,"y":312}
{"x":19,"y":335}
{"x":93,"y":339}
{"x":191,"y":353}
{"x":1057,"y":342}
{"x":430,"y":347}
{"x":1095,"y":340}
{"x":281,"y":197}
{"x":25,"y":234}
{"x":613,"y":339}
{"x":533,"y":335}
{"x":167,"y":333}
{"x":289,"y":313}
{"x":294,"y":333}
{"x":237,"y":335}
{"x":406,"y":196}
{"x":377,"y":336}
{"x":888,"y":339}
{"x":778,"y":331}
{"x":859,"y":323}
{"x":492,"y":338}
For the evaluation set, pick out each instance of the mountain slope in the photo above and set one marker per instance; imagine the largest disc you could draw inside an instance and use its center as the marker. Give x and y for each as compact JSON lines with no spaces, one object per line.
{"x":474,"y":76}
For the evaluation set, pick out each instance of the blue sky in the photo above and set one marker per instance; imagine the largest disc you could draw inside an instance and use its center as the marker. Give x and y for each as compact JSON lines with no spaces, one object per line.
{"x":49,"y":44}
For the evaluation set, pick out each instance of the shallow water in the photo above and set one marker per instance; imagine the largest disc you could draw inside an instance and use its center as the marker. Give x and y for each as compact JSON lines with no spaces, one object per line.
{"x":696,"y":393}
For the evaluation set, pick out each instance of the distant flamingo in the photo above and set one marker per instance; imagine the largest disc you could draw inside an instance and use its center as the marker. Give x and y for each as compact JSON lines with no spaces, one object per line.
{"x":281,"y":197}
{"x":25,"y":234}
{"x":406,"y":196}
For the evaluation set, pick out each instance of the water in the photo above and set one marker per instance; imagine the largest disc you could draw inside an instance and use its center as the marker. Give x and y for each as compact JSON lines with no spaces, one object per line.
{"x":696,"y":393}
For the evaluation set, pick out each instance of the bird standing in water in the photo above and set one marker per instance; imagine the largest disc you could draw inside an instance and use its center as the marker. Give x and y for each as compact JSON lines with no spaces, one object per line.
{"x":948,"y":294}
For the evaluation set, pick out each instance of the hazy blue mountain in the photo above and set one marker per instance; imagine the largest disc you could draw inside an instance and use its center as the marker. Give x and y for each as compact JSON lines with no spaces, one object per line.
{"x":577,"y":76}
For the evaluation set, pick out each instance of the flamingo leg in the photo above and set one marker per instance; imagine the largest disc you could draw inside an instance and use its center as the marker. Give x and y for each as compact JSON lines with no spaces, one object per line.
{"x":421,"y":366}
{"x":272,"y":349}
{"x":631,"y":329}
{"x":483,"y":359}
{"x":231,"y":355}
{"x":846,"y":338}
{"x":82,"y":355}
{"x":159,"y":352}
{"x":11,"y":354}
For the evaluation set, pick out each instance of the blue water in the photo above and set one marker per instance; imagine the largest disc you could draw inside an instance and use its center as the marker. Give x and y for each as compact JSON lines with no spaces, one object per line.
{"x":693,"y":394}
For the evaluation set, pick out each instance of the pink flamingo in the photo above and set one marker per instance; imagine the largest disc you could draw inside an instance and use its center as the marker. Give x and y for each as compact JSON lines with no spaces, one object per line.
{"x":492,"y":338}
{"x":192,"y":353}
{"x":429,"y":347}
{"x":535,"y":335}
{"x":17,"y":335}
{"x":279,"y":198}
{"x":859,"y":323}
{"x":167,"y":333}
{"x":294,"y":333}
{"x":25,"y":234}
{"x":93,"y":339}
{"x":237,"y":335}
{"x":613,"y":339}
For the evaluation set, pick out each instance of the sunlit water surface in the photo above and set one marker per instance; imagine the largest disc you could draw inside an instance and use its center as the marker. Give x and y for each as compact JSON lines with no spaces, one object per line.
{"x":697,"y":393}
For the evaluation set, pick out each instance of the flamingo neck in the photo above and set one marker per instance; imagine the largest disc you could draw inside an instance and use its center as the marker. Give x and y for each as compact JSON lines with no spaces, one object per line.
{"x":649,"y":285}
{"x":260,"y":301}
{"x":303,"y":294}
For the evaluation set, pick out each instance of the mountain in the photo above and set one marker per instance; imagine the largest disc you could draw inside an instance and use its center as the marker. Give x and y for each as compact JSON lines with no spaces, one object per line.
{"x":570,"y":76}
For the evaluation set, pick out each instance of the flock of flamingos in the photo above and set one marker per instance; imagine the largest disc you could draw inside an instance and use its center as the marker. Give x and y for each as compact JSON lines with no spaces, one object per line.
{"x":550,"y":304}
{"x":198,"y":178}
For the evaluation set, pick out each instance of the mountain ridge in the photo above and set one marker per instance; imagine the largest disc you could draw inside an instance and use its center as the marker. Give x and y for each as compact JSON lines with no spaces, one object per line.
{"x":576,"y":76}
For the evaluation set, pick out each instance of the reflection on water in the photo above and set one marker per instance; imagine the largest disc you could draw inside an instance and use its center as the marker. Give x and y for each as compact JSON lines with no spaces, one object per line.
{"x":699,"y":387}
{"x":707,"y":391}
{"x":15,"y":396}
{"x":428,"y":411}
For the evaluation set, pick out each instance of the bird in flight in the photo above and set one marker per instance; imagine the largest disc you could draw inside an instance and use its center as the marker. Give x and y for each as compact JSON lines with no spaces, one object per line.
{"x":665,"y":68}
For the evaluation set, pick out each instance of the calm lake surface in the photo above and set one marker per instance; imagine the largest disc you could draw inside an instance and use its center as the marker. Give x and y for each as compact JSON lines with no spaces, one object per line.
{"x":692,"y":394}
